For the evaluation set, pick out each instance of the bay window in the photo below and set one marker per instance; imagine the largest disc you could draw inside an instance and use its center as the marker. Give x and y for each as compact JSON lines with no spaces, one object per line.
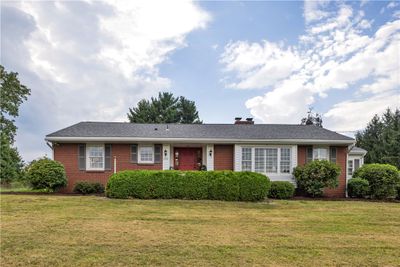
{"x":246,"y":159}
{"x":272,"y":160}
{"x":259,"y":159}
{"x":266,"y":159}
{"x":285,"y":160}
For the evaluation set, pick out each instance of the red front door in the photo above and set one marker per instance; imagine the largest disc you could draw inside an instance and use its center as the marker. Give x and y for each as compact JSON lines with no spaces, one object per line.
{"x":187,"y":158}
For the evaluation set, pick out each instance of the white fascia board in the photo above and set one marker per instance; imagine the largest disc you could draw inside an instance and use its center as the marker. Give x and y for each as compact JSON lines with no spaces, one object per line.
{"x":197,"y":140}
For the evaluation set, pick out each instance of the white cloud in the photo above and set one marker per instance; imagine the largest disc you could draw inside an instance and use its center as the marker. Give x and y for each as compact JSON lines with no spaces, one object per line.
{"x":392,"y":4}
{"x":313,"y":10}
{"x":334,"y":54}
{"x":354,"y":114}
{"x":248,"y":62}
{"x":89,"y":60}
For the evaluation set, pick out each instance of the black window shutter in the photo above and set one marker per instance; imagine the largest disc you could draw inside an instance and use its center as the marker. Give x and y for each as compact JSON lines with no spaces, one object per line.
{"x":107,"y":157}
{"x":82,"y":156}
{"x":157,"y":153}
{"x":309,"y":154}
{"x":332,"y":154}
{"x":134,"y":153}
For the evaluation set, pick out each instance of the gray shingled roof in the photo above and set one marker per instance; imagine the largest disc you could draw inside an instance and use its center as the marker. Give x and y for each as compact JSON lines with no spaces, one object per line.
{"x":193,"y":131}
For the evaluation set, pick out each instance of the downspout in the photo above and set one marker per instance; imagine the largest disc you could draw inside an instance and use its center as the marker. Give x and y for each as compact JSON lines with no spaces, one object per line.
{"x":115,"y":164}
{"x":350,"y":147}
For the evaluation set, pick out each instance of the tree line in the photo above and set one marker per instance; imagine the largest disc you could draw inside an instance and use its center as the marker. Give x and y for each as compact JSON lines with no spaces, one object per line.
{"x":381,"y":138}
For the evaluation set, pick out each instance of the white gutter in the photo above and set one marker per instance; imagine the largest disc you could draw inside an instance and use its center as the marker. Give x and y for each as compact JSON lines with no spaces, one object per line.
{"x":196,"y":140}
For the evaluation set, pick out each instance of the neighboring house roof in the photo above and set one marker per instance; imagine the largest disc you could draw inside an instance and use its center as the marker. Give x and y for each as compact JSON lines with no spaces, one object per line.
{"x":358,"y":150}
{"x":122,"y":131}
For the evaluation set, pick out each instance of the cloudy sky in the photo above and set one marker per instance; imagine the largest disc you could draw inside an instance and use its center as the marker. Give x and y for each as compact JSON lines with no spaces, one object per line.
{"x":92,"y":60}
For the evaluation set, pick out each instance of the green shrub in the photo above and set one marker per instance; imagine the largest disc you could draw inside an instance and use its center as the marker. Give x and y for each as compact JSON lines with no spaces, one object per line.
{"x":46,"y":174}
{"x":383,"y":179}
{"x":85,"y":187}
{"x":316,"y":175}
{"x":358,"y":187}
{"x":219,"y":185}
{"x":281,"y":190}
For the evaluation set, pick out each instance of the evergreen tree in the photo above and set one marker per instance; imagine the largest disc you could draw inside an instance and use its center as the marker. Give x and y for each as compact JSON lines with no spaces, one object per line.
{"x":381,"y":138}
{"x":164,"y":109}
{"x":10,"y":161}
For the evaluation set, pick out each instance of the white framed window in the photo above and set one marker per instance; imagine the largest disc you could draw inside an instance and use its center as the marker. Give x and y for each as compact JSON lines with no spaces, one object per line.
{"x":146,"y":154}
{"x":285,"y":160}
{"x":259,"y":159}
{"x":350,"y":167}
{"x":271,"y":158}
{"x":95,"y":157}
{"x":266,"y":159}
{"x":246,"y":158}
{"x":320,"y":153}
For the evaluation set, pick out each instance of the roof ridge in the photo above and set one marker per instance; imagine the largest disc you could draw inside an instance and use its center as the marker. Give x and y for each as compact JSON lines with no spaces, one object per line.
{"x":174,"y":123}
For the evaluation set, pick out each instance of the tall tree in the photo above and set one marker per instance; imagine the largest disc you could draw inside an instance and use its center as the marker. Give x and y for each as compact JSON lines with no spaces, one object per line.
{"x":381,"y":138}
{"x":12,"y":95}
{"x":312,"y":118}
{"x":164,"y":109}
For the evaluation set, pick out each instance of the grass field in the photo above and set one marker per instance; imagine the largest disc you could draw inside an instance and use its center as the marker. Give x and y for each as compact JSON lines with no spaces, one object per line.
{"x":96,"y":231}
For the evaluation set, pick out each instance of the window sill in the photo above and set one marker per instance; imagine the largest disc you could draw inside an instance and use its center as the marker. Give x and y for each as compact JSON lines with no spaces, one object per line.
{"x":97,"y":170}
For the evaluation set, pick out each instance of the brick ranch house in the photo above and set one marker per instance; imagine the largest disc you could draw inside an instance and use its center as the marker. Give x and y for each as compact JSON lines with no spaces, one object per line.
{"x":92,"y":151}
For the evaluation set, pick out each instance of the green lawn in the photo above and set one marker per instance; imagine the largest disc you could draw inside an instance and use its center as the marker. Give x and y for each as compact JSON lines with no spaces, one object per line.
{"x":96,"y":231}
{"x":19,"y":187}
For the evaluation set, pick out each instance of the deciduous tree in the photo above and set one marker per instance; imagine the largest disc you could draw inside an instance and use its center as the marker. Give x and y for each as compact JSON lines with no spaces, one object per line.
{"x":12,"y":95}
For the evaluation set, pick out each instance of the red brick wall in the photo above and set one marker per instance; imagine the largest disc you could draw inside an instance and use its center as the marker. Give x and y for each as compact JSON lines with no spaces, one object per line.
{"x":223,"y":157}
{"x":67,"y":154}
{"x":340,"y":191}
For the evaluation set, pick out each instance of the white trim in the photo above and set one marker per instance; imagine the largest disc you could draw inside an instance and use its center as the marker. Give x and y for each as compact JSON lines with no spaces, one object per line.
{"x":200,"y":140}
{"x":140,"y":161}
{"x":293,"y":157}
{"x":88,"y":168}
{"x":166,"y":158}
{"x":237,"y":155}
{"x":210,"y":158}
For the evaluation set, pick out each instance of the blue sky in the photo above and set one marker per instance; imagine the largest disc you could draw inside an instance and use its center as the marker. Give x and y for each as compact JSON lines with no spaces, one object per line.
{"x":92,"y":60}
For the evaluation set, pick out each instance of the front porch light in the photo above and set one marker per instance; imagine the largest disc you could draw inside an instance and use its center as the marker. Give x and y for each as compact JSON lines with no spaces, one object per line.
{"x":210,"y":152}
{"x":165,"y":153}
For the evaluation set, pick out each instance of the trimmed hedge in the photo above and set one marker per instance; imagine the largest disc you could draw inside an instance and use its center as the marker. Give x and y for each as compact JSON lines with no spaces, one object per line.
{"x":85,"y":187}
{"x":46,"y":174}
{"x":281,"y":190}
{"x":218,"y":185}
{"x":383,"y":179}
{"x":358,"y":187}
{"x":316,"y":175}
